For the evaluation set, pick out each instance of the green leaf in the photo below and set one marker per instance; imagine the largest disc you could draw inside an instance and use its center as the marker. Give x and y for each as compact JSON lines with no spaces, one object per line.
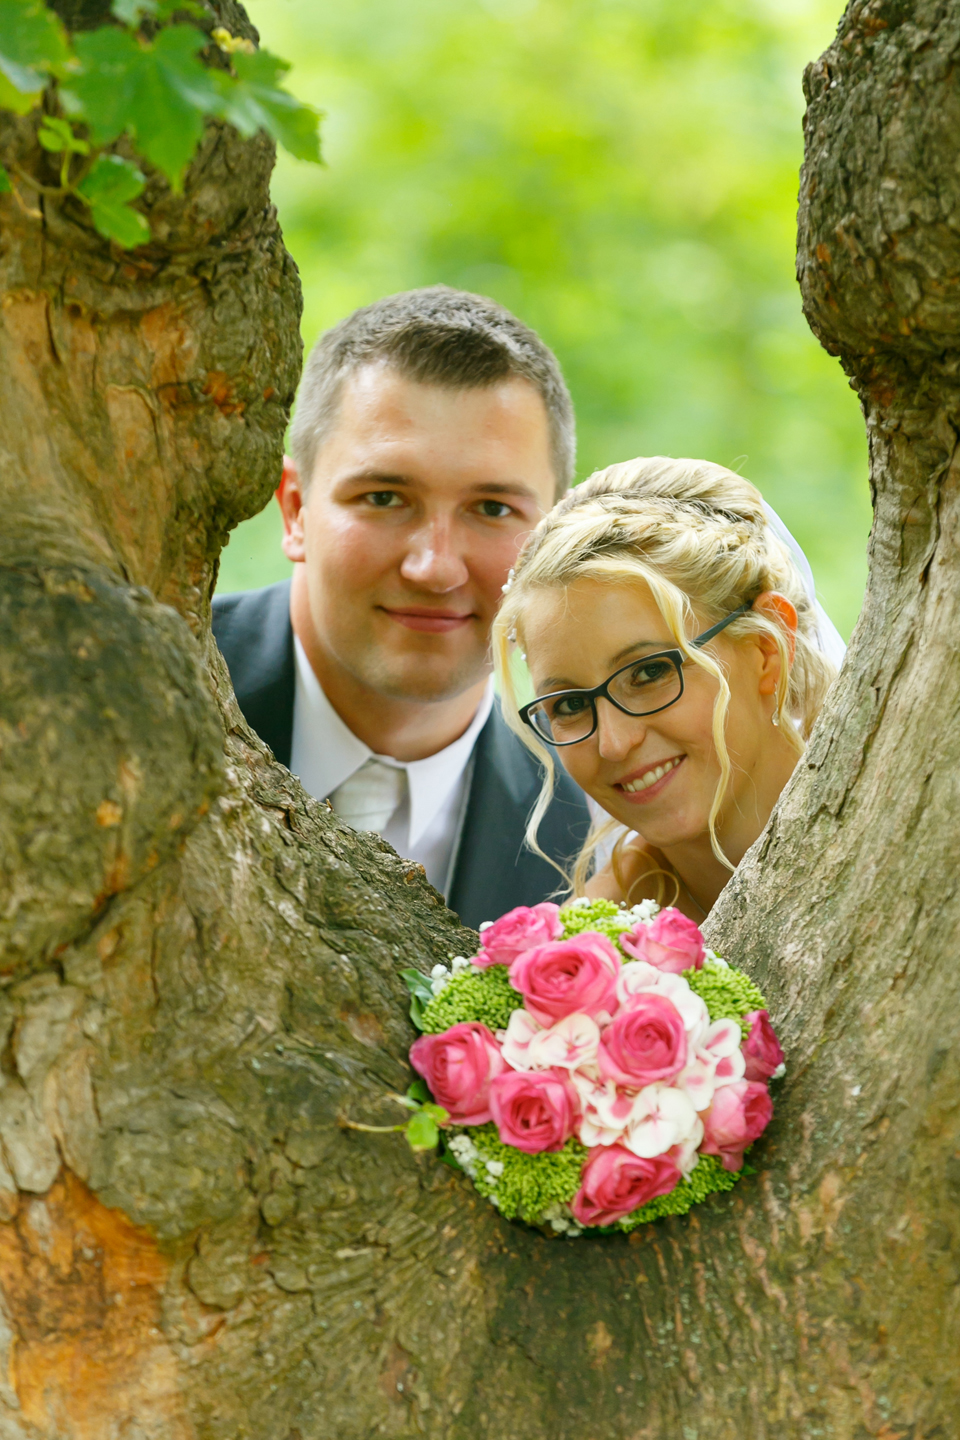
{"x":437,"y":1112}
{"x":32,"y":41}
{"x":166,"y":9}
{"x":57,"y":135}
{"x":418,"y":1091}
{"x":254,"y":101}
{"x":422,"y":1132}
{"x":111,"y":182}
{"x":16,"y":100}
{"x":420,"y":992}
{"x":134,"y":12}
{"x":158,"y":93}
{"x":5,"y":186}
{"x":448,"y":1157}
{"x":131,"y":12}
{"x":418,"y":984}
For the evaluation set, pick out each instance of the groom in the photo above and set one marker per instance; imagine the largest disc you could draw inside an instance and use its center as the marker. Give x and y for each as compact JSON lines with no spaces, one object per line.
{"x":432,"y":431}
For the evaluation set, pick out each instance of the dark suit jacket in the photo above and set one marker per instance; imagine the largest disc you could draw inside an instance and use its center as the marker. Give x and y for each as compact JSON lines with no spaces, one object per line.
{"x":494,"y":871}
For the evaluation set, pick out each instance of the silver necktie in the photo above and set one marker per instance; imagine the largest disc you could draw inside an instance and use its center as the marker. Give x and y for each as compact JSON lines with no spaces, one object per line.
{"x":371,"y":796}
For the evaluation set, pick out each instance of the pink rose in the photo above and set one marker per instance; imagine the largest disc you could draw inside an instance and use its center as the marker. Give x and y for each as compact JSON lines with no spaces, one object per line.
{"x":737,"y":1115}
{"x":518,"y":930}
{"x":533,"y":1110}
{"x":458,"y":1067}
{"x":761,"y":1049}
{"x":615,"y":1183}
{"x":568,"y":976}
{"x":646,"y":1043}
{"x":670,"y":942}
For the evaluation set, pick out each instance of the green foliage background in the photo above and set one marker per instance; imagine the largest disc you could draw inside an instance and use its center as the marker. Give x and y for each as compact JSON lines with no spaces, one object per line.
{"x":623,"y":175}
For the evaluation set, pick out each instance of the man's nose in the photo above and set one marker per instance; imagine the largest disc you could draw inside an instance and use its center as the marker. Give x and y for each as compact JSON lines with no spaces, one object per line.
{"x":433,"y":561}
{"x":617,"y":734}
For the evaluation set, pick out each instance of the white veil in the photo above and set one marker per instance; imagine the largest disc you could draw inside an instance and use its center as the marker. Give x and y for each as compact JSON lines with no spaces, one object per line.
{"x":831,"y":642}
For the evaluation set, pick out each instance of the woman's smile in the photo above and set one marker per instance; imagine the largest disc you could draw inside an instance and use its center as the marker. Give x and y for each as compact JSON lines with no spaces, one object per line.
{"x":642,"y":786}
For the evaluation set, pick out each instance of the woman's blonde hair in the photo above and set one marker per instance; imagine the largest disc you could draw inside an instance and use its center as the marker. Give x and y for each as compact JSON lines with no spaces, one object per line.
{"x":697,"y":535}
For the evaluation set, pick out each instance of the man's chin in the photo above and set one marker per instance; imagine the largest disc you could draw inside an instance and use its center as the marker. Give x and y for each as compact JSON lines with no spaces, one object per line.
{"x":422,"y":683}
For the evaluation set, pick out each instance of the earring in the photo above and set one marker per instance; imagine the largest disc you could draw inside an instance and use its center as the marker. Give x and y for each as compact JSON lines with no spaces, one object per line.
{"x":776,"y":718}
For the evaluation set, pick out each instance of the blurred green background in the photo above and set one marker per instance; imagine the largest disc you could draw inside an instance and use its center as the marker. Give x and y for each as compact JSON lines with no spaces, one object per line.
{"x":620,"y":173}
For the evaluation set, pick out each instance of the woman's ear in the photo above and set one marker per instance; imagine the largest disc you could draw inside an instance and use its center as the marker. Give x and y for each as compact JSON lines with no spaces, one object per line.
{"x":776,"y":607}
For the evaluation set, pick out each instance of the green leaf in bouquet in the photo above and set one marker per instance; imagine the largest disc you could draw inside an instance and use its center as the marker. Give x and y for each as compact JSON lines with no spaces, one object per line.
{"x":158,"y":93}
{"x":420,"y":994}
{"x":422,"y":1131}
{"x":255,"y":101}
{"x":447,"y":1156}
{"x":111,"y":183}
{"x":5,"y":186}
{"x":32,"y":43}
{"x":418,"y":1091}
{"x":437,"y":1112}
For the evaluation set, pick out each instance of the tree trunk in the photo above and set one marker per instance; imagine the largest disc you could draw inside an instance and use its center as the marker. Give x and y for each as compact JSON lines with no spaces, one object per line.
{"x":200,"y":964}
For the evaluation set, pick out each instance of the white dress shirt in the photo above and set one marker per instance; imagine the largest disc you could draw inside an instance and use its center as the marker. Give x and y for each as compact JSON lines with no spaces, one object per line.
{"x":425,"y":825}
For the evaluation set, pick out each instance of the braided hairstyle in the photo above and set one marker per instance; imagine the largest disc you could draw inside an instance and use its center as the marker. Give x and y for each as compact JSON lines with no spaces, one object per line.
{"x":696,"y":534}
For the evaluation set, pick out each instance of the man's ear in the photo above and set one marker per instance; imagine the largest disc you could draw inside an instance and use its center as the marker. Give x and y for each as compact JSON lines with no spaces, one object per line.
{"x":290,"y":500}
{"x":776,"y":607}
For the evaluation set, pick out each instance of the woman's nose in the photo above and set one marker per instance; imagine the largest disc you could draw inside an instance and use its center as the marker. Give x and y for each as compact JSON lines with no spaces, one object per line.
{"x":617,"y":734}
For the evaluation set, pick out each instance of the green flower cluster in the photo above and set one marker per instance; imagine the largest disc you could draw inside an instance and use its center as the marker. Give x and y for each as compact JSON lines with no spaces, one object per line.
{"x":604,"y":916}
{"x":484,"y":995}
{"x":528,"y":1184}
{"x":728,"y":994}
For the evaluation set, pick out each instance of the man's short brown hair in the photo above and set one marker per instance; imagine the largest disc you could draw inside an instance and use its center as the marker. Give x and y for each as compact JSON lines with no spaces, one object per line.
{"x":437,"y":336}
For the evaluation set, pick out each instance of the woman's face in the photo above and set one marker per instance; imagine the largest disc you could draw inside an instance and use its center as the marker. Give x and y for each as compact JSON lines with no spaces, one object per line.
{"x":657,"y":774}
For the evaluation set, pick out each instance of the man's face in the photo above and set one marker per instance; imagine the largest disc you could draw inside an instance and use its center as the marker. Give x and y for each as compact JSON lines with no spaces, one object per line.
{"x":419,"y":501}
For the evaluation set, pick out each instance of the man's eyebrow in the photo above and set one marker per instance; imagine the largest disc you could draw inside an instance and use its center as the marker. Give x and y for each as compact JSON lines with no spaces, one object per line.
{"x":373,"y":477}
{"x":384,"y":477}
{"x":498,"y":487}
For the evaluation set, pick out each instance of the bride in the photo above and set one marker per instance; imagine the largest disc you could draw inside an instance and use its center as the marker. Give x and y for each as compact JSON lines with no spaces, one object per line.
{"x":677,"y":672}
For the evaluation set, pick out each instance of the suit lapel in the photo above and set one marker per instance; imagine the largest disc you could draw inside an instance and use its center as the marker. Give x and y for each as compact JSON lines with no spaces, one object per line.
{"x":494,"y":870}
{"x":255,"y":637}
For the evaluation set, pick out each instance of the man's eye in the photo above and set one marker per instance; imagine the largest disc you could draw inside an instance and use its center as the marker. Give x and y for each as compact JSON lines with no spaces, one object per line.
{"x":383,"y":499}
{"x":494,"y":509}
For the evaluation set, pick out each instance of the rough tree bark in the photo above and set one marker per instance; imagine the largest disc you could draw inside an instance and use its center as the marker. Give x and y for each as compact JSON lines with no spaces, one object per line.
{"x":200,"y":964}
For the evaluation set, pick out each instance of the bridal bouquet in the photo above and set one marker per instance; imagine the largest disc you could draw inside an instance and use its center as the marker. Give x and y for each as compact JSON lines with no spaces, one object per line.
{"x":594,"y":1065}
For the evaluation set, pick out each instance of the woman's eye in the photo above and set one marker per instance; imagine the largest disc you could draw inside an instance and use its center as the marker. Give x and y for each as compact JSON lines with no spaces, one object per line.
{"x":494,"y":509}
{"x":569,"y":706}
{"x":650,"y":674}
{"x":383,"y":499}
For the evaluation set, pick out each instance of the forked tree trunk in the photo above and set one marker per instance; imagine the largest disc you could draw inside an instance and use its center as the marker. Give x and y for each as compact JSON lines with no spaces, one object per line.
{"x":200,"y":965}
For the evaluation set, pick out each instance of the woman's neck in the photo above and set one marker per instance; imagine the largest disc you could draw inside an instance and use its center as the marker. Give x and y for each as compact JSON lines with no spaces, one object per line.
{"x":698,"y":869}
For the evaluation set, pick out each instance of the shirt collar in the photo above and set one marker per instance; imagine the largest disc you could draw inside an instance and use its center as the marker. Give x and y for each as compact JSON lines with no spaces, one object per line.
{"x":338,"y":753}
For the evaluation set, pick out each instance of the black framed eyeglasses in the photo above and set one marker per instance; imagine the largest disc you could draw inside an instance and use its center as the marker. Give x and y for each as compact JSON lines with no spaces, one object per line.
{"x":641,"y":687}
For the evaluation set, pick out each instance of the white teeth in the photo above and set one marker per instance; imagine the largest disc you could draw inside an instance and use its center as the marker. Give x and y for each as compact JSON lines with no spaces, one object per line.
{"x":650,"y":777}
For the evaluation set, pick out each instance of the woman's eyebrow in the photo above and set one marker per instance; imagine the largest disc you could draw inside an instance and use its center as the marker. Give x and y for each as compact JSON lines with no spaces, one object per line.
{"x":629,"y":650}
{"x":559,"y":682}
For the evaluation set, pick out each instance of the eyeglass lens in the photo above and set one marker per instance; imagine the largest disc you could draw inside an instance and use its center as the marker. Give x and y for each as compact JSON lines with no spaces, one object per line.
{"x":648,"y":685}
